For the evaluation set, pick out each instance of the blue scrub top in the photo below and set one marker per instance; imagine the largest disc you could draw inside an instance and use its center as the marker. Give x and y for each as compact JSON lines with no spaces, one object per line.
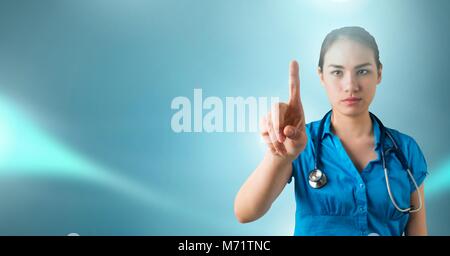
{"x":354,"y":203}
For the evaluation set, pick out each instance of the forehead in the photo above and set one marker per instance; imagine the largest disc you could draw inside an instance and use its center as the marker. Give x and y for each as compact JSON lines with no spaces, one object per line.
{"x":348,"y":53}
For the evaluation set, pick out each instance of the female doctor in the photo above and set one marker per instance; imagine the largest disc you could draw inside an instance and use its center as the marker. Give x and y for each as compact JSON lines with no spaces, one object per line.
{"x":353,"y":176}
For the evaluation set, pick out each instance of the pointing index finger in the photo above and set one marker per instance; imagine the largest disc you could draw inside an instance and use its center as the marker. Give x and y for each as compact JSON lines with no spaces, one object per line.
{"x":294,"y":84}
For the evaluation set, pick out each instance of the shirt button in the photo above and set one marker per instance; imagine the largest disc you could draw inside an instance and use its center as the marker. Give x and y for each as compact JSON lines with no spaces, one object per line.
{"x":361,"y":185}
{"x":362,"y":209}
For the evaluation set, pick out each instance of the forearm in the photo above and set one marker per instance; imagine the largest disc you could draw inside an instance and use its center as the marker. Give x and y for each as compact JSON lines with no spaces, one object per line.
{"x":417,"y":230}
{"x":262,"y":187}
{"x":417,"y":223}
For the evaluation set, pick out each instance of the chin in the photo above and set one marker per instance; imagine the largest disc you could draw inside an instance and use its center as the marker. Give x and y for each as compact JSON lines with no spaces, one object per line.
{"x":352,"y":111}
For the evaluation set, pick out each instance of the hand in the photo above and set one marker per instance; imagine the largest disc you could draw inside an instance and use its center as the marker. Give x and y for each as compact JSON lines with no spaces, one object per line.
{"x":283,"y":129}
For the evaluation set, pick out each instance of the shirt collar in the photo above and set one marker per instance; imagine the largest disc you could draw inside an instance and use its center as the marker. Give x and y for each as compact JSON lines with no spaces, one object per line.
{"x":376,"y":132}
{"x":375,"y":126}
{"x":327,"y":126}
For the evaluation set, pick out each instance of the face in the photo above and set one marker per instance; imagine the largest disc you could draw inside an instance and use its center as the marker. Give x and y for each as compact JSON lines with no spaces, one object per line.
{"x":350,"y":76}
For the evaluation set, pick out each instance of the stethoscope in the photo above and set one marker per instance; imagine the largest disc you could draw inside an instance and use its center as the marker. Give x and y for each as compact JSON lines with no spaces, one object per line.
{"x":318,"y":179}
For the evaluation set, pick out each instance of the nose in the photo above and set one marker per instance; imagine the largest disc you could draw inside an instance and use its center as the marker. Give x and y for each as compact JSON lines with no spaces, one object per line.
{"x":350,"y":83}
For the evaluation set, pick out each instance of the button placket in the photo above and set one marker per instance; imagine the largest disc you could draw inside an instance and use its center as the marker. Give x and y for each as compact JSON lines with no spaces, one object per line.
{"x":361,"y":203}
{"x":360,"y":191}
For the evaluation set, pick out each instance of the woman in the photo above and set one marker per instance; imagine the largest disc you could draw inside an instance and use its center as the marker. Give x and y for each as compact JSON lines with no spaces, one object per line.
{"x":350,"y":195}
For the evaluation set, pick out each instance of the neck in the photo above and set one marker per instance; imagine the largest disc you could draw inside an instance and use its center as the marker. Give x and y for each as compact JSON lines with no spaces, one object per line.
{"x":357,"y":126}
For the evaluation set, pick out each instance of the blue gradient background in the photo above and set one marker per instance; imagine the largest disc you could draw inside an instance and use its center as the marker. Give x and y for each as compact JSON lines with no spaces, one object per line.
{"x":86,"y":86}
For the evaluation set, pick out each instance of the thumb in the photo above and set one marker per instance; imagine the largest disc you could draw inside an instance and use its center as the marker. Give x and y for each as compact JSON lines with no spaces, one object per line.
{"x":291,"y":132}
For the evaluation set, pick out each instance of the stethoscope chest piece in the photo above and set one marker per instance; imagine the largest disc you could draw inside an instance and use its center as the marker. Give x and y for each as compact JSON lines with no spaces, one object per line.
{"x":317,"y":178}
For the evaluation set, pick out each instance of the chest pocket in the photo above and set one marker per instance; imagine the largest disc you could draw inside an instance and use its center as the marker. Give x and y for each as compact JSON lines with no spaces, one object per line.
{"x":334,"y":199}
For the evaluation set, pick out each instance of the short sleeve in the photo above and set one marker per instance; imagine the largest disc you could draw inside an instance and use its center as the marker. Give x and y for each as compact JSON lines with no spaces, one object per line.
{"x":417,"y":163}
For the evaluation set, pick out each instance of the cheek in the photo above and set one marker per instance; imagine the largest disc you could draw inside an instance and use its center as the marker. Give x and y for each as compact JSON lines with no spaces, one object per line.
{"x":371,"y":92}
{"x":334,"y":84}
{"x":369,"y":81}
{"x":368,"y":93}
{"x":369,"y":85}
{"x":332,"y":92}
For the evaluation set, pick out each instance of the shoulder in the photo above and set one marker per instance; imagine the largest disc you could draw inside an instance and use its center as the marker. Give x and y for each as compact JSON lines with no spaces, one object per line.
{"x":313,"y":127}
{"x":412,"y":152}
{"x":406,"y":142}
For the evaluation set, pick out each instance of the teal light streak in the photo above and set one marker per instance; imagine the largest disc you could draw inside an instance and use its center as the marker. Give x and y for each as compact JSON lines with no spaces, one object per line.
{"x":26,"y":150}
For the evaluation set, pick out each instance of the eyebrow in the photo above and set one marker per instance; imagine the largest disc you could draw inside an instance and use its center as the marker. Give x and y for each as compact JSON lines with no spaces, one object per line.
{"x":342,"y":67}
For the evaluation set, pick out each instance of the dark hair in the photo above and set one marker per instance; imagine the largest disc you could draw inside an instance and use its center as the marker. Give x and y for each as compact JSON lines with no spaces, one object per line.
{"x":357,"y":34}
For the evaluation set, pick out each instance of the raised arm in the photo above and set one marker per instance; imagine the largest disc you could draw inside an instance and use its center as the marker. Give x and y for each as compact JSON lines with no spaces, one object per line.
{"x":283,"y":130}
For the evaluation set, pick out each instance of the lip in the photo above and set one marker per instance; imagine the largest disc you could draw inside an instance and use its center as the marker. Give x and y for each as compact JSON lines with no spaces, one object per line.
{"x":351,"y":100}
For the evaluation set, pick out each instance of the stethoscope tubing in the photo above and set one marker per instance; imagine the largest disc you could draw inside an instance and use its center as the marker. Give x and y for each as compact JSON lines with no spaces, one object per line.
{"x":401,"y":157}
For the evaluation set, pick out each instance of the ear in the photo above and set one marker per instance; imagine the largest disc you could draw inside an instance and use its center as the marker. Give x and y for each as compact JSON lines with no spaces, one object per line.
{"x":380,"y":74}
{"x":320,"y":73}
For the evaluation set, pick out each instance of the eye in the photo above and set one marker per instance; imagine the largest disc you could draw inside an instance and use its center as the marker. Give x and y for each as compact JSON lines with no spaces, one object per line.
{"x":336,"y":72}
{"x":363,"y":72}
